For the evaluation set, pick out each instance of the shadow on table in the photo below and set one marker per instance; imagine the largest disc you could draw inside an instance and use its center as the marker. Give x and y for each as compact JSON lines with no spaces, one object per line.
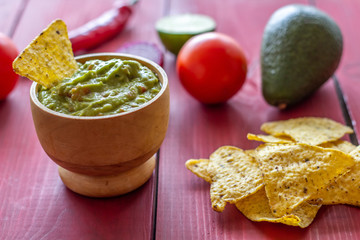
{"x":128,"y":216}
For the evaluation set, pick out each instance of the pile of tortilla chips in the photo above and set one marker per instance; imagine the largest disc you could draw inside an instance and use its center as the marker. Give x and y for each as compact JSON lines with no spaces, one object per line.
{"x":301,"y":165}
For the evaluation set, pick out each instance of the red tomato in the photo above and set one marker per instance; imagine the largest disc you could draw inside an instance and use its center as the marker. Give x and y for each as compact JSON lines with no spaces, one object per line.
{"x":212,"y":67}
{"x":8,"y":78}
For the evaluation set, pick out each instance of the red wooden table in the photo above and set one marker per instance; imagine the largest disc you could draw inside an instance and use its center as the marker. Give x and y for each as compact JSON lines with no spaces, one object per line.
{"x":173,"y":204}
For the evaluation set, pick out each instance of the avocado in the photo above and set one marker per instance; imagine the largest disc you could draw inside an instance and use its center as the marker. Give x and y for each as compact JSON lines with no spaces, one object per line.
{"x":301,"y":49}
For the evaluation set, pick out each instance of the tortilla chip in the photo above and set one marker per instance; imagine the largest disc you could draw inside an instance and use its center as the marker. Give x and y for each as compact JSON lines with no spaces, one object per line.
{"x":294,"y":172}
{"x":234,"y":175}
{"x":256,"y":208}
{"x":251,"y":153}
{"x":48,"y":58}
{"x":269,"y":138}
{"x":310,"y":130}
{"x":199,"y":168}
{"x":340,"y":145}
{"x":345,"y":189}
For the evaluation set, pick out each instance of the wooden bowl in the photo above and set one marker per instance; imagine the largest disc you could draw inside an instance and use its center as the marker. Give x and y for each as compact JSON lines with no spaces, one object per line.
{"x":105,"y":156}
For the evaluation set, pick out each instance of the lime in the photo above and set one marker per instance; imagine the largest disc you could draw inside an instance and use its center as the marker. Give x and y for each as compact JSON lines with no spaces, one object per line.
{"x":175,"y":30}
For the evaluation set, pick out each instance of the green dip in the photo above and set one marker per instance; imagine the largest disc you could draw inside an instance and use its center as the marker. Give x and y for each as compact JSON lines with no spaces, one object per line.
{"x":102,"y":88}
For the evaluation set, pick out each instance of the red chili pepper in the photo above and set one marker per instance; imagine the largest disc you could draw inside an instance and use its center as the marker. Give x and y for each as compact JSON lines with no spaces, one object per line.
{"x":101,"y":29}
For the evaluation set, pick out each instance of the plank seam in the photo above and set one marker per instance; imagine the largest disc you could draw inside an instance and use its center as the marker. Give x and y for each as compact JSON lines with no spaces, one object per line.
{"x":155,"y":197}
{"x":166,"y":11}
{"x":167,"y":7}
{"x":345,"y":110}
{"x":312,"y":3}
{"x":19,"y":15}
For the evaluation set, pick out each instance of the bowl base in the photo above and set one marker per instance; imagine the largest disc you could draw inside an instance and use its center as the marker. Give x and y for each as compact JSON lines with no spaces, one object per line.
{"x":108,"y":186}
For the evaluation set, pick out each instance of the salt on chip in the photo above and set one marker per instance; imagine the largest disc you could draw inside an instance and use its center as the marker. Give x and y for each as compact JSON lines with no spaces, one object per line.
{"x":234,"y":175}
{"x":256,"y":208}
{"x":294,"y":172}
{"x":49,"y":57}
{"x":269,"y":138}
{"x":346,"y":188}
{"x":250,"y":152}
{"x":199,"y":168}
{"x":310,"y":130}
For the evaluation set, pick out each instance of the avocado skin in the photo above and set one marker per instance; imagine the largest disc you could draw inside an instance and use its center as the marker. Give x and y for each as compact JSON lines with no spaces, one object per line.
{"x":301,"y":49}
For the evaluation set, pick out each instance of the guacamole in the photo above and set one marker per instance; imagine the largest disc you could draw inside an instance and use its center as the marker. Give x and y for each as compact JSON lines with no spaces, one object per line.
{"x":101,"y":88}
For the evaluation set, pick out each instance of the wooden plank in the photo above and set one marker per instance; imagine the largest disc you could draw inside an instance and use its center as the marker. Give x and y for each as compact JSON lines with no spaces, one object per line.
{"x":195,"y":131}
{"x":34,"y":204}
{"x":10,"y":12}
{"x":74,"y":13}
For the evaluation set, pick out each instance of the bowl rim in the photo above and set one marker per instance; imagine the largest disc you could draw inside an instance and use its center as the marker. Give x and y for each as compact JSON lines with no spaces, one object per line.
{"x":164,"y":86}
